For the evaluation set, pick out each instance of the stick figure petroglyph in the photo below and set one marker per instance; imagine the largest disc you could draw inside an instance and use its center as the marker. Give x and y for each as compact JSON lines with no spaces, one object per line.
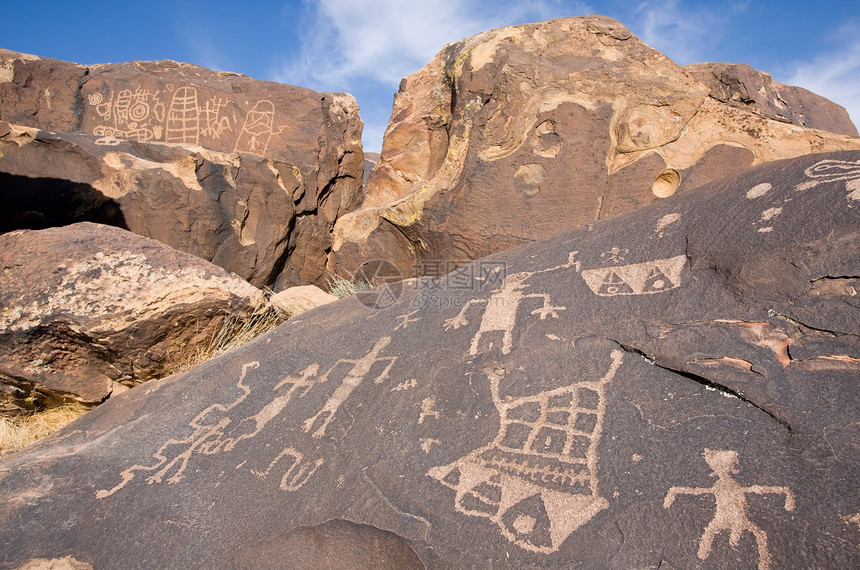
{"x":210,"y":425}
{"x":731,"y":505}
{"x":354,"y":377}
{"x":500,"y":314}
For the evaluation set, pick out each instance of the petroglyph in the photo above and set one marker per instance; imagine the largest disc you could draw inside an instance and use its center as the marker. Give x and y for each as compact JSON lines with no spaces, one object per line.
{"x":406,"y":321}
{"x":665,"y":222}
{"x":830,"y":170}
{"x":731,"y":505}
{"x":351,"y":381}
{"x":636,"y":279}
{"x":299,"y":472}
{"x":427,"y":410}
{"x":129,"y":114}
{"x":537,"y":480}
{"x":405,"y":385}
{"x":759,"y":190}
{"x":258,"y":129}
{"x":142,"y":115}
{"x":209,"y":428}
{"x":427,"y":443}
{"x":615,"y":255}
{"x":183,"y":118}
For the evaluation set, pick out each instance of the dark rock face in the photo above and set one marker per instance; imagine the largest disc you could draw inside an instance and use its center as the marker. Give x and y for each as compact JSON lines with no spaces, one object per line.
{"x":516,"y":134}
{"x":89,"y":310}
{"x":287,"y":161}
{"x":676,"y":388}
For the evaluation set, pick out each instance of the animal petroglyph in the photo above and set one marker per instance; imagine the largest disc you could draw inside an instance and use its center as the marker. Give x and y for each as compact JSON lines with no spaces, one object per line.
{"x":209,"y":429}
{"x":637,"y":278}
{"x":830,"y":170}
{"x":406,"y":321}
{"x":361,"y":368}
{"x":299,"y":472}
{"x":731,"y":505}
{"x":258,"y":129}
{"x":500,"y":315}
{"x":537,"y":480}
{"x":427,"y":410}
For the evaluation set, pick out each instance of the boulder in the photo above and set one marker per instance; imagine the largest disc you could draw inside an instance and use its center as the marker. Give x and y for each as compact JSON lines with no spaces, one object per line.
{"x":300,"y":299}
{"x":672,"y":388}
{"x":277,"y":164}
{"x":90,"y":310}
{"x":515,"y":134}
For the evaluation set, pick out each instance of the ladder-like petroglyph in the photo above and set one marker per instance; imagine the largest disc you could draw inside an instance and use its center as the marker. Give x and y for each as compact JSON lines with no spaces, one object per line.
{"x":361,"y":368}
{"x":142,"y":114}
{"x":183,"y":118}
{"x":538,"y":479}
{"x":731,"y":505}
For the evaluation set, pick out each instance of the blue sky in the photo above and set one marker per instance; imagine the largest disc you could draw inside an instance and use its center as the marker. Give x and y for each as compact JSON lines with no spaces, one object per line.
{"x":365,"y":47}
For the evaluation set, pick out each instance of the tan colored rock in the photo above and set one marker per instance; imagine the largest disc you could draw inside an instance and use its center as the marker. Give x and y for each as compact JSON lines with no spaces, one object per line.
{"x":297,"y":300}
{"x":88,"y":309}
{"x":515,"y":134}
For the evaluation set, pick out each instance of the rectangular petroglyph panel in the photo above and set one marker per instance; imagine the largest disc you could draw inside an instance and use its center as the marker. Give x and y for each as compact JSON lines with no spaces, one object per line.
{"x":636,"y":279}
{"x":185,"y":114}
{"x":537,"y":480}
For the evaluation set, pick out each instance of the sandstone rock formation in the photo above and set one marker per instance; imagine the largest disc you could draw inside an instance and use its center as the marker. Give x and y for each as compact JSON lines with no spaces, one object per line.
{"x":267,"y":167}
{"x":300,"y":299}
{"x":673,"y":388}
{"x":90,"y":310}
{"x":515,"y":134}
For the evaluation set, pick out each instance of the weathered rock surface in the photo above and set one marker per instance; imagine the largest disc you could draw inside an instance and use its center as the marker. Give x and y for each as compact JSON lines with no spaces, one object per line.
{"x":89,"y":310}
{"x":518,"y":133}
{"x":300,"y":299}
{"x":271,"y":166}
{"x":675,"y":388}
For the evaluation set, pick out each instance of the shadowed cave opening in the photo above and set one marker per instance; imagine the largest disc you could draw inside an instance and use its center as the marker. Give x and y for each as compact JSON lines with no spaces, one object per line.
{"x":40,"y":203}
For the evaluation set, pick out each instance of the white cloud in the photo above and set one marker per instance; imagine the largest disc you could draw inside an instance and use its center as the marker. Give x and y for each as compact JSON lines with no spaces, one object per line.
{"x":385,"y":40}
{"x":683,"y":31}
{"x":835,"y":75}
{"x":366,"y":47}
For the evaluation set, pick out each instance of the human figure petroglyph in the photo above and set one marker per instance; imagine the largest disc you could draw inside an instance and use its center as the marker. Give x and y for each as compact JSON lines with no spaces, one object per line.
{"x":500,"y":314}
{"x":210,"y":425}
{"x":258,"y":129}
{"x":206,"y":427}
{"x":830,"y":170}
{"x":361,"y":368}
{"x":537,"y":480}
{"x":731,"y":505}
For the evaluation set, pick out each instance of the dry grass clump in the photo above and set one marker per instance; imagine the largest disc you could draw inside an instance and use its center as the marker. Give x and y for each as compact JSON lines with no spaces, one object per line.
{"x":341,"y":288}
{"x":235,"y":332}
{"x":17,"y":432}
